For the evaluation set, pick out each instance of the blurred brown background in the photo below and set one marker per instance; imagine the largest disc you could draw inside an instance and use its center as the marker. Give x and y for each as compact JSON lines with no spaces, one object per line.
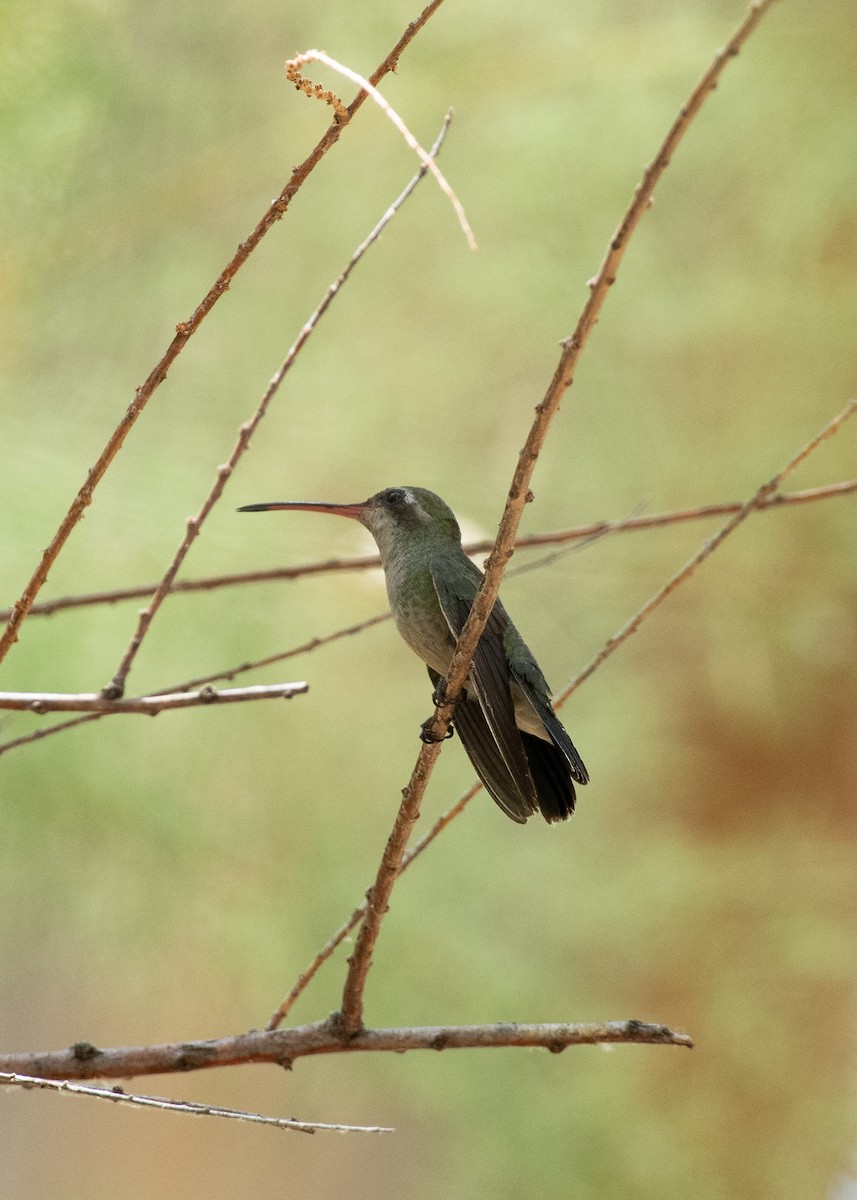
{"x":169,"y":879}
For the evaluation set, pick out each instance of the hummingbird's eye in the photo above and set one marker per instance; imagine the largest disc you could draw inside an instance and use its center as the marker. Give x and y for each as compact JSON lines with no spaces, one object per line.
{"x":394,"y":496}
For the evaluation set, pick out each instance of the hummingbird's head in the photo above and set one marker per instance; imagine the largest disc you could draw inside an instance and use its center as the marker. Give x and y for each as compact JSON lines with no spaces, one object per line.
{"x":395,"y":517}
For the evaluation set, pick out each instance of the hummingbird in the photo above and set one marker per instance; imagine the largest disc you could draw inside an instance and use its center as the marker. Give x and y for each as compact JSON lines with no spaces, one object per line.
{"x":504,"y":718}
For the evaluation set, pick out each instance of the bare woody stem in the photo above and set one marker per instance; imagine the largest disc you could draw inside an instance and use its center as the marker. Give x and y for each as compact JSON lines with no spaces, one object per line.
{"x":632,"y":524}
{"x":94,"y":702}
{"x":117,"y":1096}
{"x":519,"y":493}
{"x":85,"y":1061}
{"x":117,"y":685}
{"x":186,"y":329}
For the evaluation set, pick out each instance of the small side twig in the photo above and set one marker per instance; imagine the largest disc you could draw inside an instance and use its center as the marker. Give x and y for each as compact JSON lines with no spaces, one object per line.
{"x":94,"y":702}
{"x":186,"y":329}
{"x":293,"y":72}
{"x":189,"y":1108}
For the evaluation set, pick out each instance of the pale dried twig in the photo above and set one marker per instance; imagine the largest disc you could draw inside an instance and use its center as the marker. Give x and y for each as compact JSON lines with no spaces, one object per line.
{"x":285,"y":1046}
{"x":94,"y":702}
{"x":116,"y":687}
{"x":189,"y":1108}
{"x":426,"y":158}
{"x":379,"y":895}
{"x":185,"y":329}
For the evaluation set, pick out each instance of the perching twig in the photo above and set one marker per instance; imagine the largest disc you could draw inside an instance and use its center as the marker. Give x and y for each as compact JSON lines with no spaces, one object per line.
{"x":116,"y":686}
{"x":285,"y":1046}
{"x":185,"y":329}
{"x":426,"y":158}
{"x":436,"y":728}
{"x":94,"y":702}
{"x":117,"y":1096}
{"x":631,"y":524}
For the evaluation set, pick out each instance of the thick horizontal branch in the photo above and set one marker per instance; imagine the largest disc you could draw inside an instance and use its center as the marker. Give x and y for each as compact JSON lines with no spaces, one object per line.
{"x":284,"y":1046}
{"x":44,"y":702}
{"x":118,"y":1096}
{"x":634,"y":524}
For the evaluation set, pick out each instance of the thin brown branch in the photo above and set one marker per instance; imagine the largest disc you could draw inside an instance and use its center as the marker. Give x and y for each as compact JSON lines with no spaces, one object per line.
{"x":186,"y":329}
{"x":202,"y":680}
{"x":631,"y":524}
{"x":284,"y":1046}
{"x":708,"y":547}
{"x":94,"y":702}
{"x":36,"y":735}
{"x":519,"y":494}
{"x":189,"y":1108}
{"x":357,"y":916}
{"x":116,"y":687}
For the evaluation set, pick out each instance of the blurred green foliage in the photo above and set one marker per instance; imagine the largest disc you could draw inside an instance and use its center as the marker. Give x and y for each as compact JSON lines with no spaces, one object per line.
{"x":169,"y":879}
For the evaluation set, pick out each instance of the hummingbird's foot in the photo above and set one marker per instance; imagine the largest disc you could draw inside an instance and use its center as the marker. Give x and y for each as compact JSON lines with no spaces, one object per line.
{"x":428,"y":737}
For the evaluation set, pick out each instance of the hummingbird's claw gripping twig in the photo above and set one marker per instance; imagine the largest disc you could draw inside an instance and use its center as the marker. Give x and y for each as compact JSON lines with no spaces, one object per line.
{"x":428,"y":737}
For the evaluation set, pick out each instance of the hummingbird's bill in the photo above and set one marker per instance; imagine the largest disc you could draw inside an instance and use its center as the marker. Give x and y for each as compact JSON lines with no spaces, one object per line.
{"x":338,"y":510}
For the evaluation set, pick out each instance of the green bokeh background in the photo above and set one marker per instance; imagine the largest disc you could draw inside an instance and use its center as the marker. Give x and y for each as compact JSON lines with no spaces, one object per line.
{"x":168,"y":879}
